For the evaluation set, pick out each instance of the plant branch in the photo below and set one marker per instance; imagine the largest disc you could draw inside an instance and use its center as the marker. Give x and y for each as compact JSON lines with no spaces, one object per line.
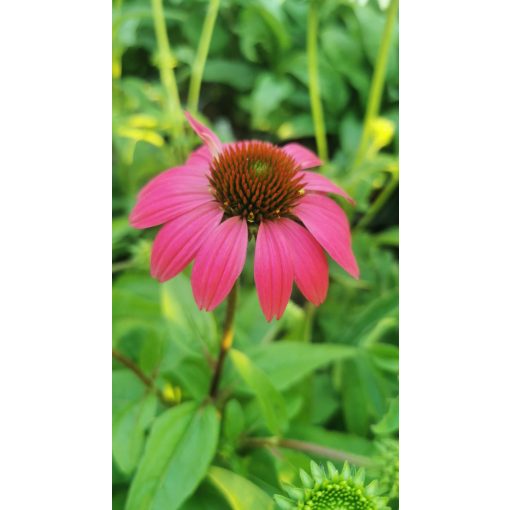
{"x":377,"y":85}
{"x":137,"y":371}
{"x":197,"y":71}
{"x":311,"y":448}
{"x":313,"y":81}
{"x":226,"y":341}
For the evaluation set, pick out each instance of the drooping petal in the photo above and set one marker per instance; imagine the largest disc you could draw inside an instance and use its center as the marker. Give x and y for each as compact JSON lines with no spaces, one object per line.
{"x":200,"y":158}
{"x":169,"y":195}
{"x":177,"y":243}
{"x":317,"y":182}
{"x":273,"y":269}
{"x":310,"y":263}
{"x":219,"y":262}
{"x":207,"y":136}
{"x":181,"y":178}
{"x":148,"y":214}
{"x":303,"y":156}
{"x":329,"y":225}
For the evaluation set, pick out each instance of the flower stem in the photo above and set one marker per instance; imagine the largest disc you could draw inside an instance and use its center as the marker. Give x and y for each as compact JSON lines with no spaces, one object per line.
{"x":166,"y":64}
{"x":197,"y":70}
{"x":313,"y":81}
{"x":377,"y":85}
{"x":226,"y":341}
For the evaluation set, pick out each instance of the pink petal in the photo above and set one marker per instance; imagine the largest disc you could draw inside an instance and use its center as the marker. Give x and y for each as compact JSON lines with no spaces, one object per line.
{"x":207,"y":136}
{"x":219,"y":262}
{"x":317,"y":182}
{"x":169,"y":195}
{"x":310,"y":263}
{"x":273,"y":269}
{"x":329,"y":225}
{"x":303,"y":156}
{"x":177,"y":243}
{"x":177,"y":179}
{"x":200,"y":158}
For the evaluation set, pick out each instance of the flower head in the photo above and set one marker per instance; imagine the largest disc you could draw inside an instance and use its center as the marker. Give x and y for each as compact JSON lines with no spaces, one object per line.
{"x":332,"y":491}
{"x":226,"y":194}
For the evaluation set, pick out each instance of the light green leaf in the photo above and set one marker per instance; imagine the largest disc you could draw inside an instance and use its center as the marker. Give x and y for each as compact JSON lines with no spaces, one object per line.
{"x":129,"y":432}
{"x":270,"y":400}
{"x":240,"y":493}
{"x":389,"y":422}
{"x":286,"y":363}
{"x":250,"y":323}
{"x":233,"y":420}
{"x":179,"y":450}
{"x":187,"y":323}
{"x":133,"y":410}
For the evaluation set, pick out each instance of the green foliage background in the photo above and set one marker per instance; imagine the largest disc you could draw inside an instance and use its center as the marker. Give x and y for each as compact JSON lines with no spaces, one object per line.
{"x":319,"y":384}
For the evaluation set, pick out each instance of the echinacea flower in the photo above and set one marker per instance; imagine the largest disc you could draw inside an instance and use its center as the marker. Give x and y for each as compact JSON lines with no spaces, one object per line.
{"x":332,"y":491}
{"x":226,"y":194}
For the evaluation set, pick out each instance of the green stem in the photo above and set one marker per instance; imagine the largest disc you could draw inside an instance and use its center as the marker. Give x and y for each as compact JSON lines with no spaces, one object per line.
{"x":197,"y":70}
{"x":377,"y":85}
{"x":379,"y":202}
{"x":226,"y":341}
{"x":166,"y":64}
{"x":313,"y":80}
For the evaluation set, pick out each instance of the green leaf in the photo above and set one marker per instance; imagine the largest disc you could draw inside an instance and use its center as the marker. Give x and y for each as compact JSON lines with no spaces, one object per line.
{"x":288,"y":362}
{"x":233,"y":420}
{"x":266,"y":97}
{"x":384,"y":356}
{"x":133,"y":410}
{"x":385,"y":306}
{"x":236,"y":74}
{"x":389,"y":422}
{"x":188,"y":325}
{"x":354,"y":400}
{"x":270,"y":400}
{"x":250,"y":323}
{"x":350,"y":443}
{"x":129,"y":432}
{"x":179,"y":450}
{"x":240,"y":493}
{"x":135,"y":305}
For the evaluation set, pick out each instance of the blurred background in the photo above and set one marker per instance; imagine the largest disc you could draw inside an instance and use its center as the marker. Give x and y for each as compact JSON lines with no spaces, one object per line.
{"x":323,"y":74}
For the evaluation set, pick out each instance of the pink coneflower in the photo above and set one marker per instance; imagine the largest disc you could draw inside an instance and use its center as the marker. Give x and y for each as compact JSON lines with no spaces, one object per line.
{"x":226,"y":194}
